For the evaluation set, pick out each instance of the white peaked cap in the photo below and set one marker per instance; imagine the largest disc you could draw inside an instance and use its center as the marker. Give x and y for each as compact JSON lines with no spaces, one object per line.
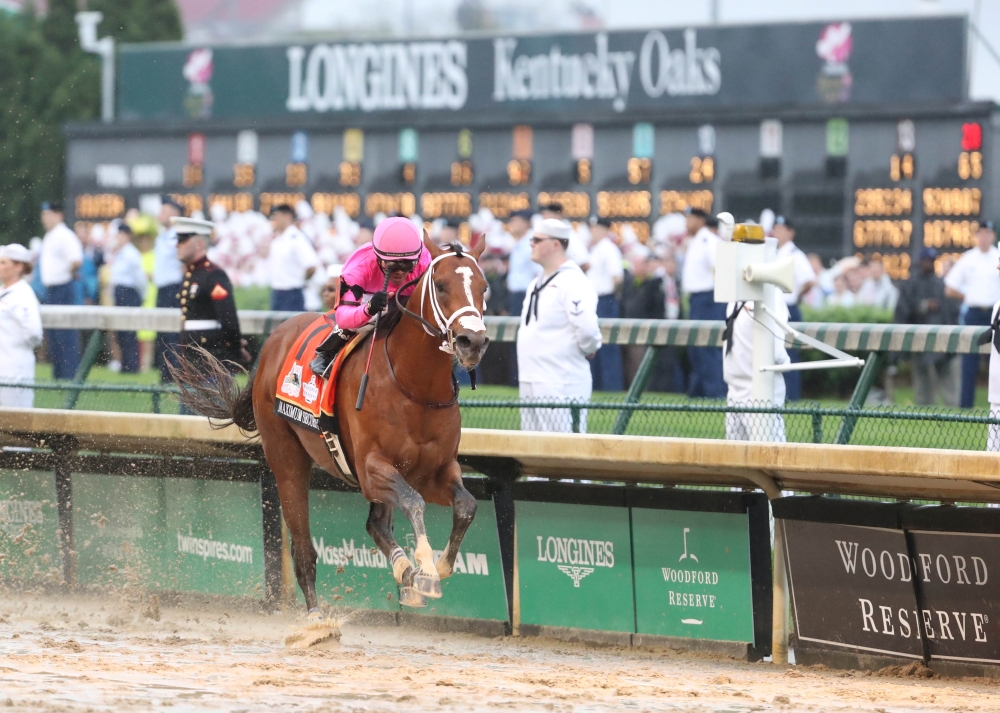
{"x":188,"y":226}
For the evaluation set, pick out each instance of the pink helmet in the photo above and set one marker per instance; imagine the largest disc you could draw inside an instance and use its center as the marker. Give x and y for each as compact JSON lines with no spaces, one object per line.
{"x":397,"y":239}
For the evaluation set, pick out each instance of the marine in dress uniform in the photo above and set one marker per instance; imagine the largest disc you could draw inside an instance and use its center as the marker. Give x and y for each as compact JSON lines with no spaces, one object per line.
{"x":168,"y":274}
{"x":208,"y":308}
{"x":974,"y":280}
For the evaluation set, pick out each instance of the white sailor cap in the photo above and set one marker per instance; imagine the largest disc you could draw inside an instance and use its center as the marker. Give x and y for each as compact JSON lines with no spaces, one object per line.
{"x":192,"y":226}
{"x":553,"y":228}
{"x":16,"y":252}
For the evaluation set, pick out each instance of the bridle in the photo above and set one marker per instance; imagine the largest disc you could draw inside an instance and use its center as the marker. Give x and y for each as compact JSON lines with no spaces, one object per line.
{"x":443,"y":328}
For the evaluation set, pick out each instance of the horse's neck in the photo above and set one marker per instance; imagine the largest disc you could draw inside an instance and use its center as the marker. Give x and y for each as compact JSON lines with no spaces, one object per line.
{"x":420,"y":366}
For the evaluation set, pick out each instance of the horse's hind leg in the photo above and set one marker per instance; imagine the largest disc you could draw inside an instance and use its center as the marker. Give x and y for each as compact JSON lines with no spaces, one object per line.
{"x":464,"y":505}
{"x":386,"y":486}
{"x":291,"y":466}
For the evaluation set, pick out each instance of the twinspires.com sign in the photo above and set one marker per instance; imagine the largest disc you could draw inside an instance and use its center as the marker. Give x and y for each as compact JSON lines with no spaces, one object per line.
{"x":589,"y":75}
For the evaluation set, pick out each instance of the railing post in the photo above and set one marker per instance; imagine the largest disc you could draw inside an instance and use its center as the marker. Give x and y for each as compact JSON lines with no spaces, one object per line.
{"x":86,"y":364}
{"x":574,"y":410}
{"x":156,"y":402}
{"x":872,"y":367}
{"x":636,"y":388}
{"x":817,"y":421}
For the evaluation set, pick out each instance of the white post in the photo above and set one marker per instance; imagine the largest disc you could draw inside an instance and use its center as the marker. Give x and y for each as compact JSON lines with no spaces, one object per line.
{"x":764,"y":330}
{"x":87,"y":23}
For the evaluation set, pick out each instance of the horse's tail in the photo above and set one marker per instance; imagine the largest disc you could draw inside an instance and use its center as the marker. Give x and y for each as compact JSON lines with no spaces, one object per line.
{"x":208,"y":387}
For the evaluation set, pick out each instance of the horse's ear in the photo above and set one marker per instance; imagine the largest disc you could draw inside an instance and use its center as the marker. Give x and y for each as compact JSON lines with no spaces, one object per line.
{"x":477,"y":250}
{"x":433,"y":249}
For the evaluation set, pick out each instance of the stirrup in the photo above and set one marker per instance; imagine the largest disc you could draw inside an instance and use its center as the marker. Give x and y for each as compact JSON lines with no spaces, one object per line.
{"x":321,"y":364}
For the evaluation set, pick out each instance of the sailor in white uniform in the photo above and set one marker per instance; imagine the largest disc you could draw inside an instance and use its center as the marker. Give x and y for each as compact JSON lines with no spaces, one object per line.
{"x":20,"y":326}
{"x":993,"y":335}
{"x":737,"y":369}
{"x":558,"y":334}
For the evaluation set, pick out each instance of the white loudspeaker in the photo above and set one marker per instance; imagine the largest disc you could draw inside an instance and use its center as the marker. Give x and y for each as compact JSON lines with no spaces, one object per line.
{"x":780,"y":272}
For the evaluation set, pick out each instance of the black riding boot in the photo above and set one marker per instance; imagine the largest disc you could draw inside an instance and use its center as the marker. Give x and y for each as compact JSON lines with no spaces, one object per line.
{"x":327,"y":351}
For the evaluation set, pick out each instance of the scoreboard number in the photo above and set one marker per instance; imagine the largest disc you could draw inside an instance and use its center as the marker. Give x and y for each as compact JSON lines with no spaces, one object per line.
{"x":461,"y":173}
{"x":702,"y":169}
{"x":640,"y":170}
{"x":970,"y":165}
{"x":243,"y":175}
{"x":296,"y":174}
{"x":350,"y":174}
{"x":901,"y":167}
{"x":519,"y":172}
{"x":193,"y":175}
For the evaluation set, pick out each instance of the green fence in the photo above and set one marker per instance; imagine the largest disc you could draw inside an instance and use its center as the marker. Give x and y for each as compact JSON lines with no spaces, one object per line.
{"x":654,"y":415}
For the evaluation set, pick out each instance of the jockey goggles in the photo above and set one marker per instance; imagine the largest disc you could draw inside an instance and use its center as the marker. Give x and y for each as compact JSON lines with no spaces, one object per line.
{"x":405,"y":266}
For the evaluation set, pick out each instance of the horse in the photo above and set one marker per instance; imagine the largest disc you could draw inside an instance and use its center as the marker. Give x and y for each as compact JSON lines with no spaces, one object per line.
{"x":402,"y":445}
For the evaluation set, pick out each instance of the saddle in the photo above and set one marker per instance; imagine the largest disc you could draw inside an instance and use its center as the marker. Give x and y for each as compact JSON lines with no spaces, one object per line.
{"x":306,"y":398}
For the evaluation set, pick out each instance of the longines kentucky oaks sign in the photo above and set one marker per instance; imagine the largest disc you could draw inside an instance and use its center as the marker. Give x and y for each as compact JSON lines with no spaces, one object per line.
{"x":587,"y":75}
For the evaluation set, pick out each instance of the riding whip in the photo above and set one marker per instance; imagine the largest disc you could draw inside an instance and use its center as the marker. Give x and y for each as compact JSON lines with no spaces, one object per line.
{"x":371,"y":349}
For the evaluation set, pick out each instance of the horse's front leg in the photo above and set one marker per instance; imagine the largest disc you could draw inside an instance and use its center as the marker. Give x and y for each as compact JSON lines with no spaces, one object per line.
{"x":386,"y":486}
{"x":464,"y":505}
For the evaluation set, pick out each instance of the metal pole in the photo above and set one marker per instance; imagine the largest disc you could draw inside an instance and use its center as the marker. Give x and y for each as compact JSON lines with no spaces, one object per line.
{"x":779,"y":617}
{"x":86,"y":364}
{"x":636,"y":388}
{"x":873,"y":365}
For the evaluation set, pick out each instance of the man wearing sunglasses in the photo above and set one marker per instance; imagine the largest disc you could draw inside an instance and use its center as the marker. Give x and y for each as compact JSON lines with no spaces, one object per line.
{"x":558,"y":333}
{"x":397,"y":248}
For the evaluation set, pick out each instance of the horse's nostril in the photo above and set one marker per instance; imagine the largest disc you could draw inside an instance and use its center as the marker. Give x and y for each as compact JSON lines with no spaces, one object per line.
{"x":463,"y":341}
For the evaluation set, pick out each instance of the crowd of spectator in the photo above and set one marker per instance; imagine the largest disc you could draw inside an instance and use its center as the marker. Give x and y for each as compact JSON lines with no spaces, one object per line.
{"x":297,"y":252}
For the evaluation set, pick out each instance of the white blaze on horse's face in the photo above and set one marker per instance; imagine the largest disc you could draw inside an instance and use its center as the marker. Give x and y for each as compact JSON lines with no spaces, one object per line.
{"x":471,"y":322}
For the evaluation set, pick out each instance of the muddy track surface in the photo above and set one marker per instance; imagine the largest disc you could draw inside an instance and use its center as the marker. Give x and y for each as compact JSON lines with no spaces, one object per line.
{"x":87,"y":653}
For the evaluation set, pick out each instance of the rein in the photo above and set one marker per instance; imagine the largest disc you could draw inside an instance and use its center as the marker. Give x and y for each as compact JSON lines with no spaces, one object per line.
{"x":407,"y":394}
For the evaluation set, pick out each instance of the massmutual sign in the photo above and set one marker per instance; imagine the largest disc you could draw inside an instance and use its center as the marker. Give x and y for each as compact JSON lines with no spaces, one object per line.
{"x":583,"y":76}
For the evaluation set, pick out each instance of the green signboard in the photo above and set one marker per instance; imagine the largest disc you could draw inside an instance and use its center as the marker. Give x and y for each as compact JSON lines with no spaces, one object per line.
{"x":169,"y":533}
{"x":350,"y":570}
{"x":118,"y":525}
{"x":29,"y":524}
{"x":476,"y":589}
{"x":575,"y":566}
{"x":213,"y":540}
{"x":692,"y":574}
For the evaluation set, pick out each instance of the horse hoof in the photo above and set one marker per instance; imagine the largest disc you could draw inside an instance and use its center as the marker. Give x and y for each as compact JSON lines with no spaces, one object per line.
{"x":410,"y":597}
{"x":316,"y":620}
{"x":428,"y":585}
{"x":443,"y":570}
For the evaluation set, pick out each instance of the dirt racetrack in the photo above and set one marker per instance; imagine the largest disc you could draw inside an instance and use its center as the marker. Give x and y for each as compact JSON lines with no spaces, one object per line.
{"x":89,"y":653}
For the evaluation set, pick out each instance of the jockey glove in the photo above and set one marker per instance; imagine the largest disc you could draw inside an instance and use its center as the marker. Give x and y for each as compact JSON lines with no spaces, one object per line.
{"x":378,"y":302}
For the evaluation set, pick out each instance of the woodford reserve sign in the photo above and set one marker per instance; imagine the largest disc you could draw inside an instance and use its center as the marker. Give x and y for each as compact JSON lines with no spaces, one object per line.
{"x":587,"y":76}
{"x":909,"y":588}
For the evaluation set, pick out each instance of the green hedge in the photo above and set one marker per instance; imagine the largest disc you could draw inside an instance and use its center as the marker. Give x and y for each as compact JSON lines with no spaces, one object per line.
{"x":836,"y":383}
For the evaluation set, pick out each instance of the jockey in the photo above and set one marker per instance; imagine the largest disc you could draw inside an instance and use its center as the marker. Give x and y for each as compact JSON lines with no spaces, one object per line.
{"x":397,"y":249}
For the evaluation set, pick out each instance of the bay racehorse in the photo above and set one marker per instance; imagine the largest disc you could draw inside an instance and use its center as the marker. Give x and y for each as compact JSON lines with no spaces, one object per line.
{"x":402,"y":445}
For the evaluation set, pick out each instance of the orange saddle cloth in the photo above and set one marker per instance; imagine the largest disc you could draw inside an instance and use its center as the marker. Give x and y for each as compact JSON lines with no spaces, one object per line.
{"x":305,"y":398}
